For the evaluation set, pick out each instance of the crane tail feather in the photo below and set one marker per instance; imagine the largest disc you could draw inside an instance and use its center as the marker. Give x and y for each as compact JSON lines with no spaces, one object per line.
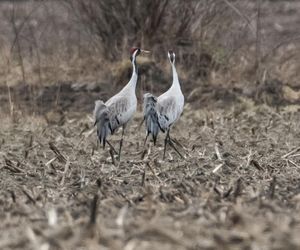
{"x":151,"y":116}
{"x":101,"y":115}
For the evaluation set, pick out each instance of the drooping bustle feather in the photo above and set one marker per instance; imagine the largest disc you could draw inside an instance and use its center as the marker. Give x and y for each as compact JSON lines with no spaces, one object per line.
{"x":101,"y":115}
{"x":150,"y":116}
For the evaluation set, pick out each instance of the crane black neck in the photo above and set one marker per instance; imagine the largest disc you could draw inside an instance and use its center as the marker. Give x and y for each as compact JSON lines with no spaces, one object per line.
{"x":133,"y":60}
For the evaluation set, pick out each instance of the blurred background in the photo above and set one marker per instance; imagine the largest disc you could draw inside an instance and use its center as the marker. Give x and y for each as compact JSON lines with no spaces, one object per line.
{"x":62,"y":55}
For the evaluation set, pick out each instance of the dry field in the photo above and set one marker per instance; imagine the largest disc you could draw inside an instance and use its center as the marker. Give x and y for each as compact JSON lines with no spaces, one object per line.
{"x":237,"y":188}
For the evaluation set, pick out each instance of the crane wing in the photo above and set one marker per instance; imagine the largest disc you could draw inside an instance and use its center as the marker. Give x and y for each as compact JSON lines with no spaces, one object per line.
{"x":102,"y":121}
{"x":166,"y":112}
{"x":118,"y":109}
{"x":109,"y":116}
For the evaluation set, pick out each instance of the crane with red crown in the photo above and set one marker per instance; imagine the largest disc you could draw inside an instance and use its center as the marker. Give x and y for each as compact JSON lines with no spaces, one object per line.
{"x":119,"y":109}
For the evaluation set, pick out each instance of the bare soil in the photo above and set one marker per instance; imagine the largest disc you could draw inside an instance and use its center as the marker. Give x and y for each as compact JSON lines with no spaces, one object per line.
{"x":237,"y":188}
{"x":66,"y":97}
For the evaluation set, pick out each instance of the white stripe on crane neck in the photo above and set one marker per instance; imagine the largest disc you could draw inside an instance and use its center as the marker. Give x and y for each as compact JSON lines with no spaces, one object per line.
{"x":175,"y":76}
{"x":135,"y":68}
{"x":134,"y":77}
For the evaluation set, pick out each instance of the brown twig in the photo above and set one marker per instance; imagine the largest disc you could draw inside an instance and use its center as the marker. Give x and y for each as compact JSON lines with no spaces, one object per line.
{"x":58,"y":154}
{"x":238,"y":188}
{"x":290,"y":153}
{"x":272,"y":188}
{"x":93,"y":213}
{"x":153,"y":172}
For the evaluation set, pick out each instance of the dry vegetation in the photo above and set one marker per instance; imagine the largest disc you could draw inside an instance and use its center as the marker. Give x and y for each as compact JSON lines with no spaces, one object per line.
{"x":235,"y":45}
{"x":238,"y":186}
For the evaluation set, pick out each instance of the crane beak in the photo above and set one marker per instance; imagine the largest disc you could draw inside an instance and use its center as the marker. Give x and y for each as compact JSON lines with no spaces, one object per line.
{"x":145,"y":51}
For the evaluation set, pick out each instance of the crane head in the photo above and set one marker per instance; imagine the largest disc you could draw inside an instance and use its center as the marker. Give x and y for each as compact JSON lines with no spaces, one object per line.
{"x":171,"y":56}
{"x":135,"y":51}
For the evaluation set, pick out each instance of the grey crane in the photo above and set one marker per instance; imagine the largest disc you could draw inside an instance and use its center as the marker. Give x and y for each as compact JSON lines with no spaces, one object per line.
{"x":160,"y":113}
{"x":119,"y":109}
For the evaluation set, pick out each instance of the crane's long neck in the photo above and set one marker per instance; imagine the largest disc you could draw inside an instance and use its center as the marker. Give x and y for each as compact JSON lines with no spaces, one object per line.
{"x":175,"y":83}
{"x":134,"y":77}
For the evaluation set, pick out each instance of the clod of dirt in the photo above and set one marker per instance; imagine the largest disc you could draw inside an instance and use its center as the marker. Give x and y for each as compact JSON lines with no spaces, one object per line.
{"x":291,"y":95}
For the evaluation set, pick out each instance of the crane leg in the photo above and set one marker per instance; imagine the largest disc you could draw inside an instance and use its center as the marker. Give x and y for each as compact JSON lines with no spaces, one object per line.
{"x":173,"y":146}
{"x":146,"y":138}
{"x":121,"y":143}
{"x":111,"y":146}
{"x":169,"y":141}
{"x":166,"y":141}
{"x":141,"y":123}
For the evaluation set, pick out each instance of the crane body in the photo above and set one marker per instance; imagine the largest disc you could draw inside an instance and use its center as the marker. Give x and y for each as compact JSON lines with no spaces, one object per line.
{"x":162,"y":112}
{"x":119,"y":109}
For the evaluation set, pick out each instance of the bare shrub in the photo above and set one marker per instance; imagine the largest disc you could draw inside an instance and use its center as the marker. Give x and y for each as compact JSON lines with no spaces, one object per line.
{"x":115,"y":24}
{"x":204,"y":33}
{"x":225,"y":44}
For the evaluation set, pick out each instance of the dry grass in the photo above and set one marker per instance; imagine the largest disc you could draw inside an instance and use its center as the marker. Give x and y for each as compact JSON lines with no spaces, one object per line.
{"x":238,"y":187}
{"x":215,"y":45}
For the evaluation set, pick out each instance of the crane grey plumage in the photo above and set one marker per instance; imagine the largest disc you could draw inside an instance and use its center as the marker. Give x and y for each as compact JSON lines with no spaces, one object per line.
{"x":102,"y":120}
{"x":108,"y":117}
{"x":164,"y":111}
{"x":119,"y":109}
{"x":167,"y":109}
{"x":151,"y":116}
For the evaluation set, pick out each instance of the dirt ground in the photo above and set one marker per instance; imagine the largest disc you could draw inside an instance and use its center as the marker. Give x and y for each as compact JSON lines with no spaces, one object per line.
{"x":236,"y":188}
